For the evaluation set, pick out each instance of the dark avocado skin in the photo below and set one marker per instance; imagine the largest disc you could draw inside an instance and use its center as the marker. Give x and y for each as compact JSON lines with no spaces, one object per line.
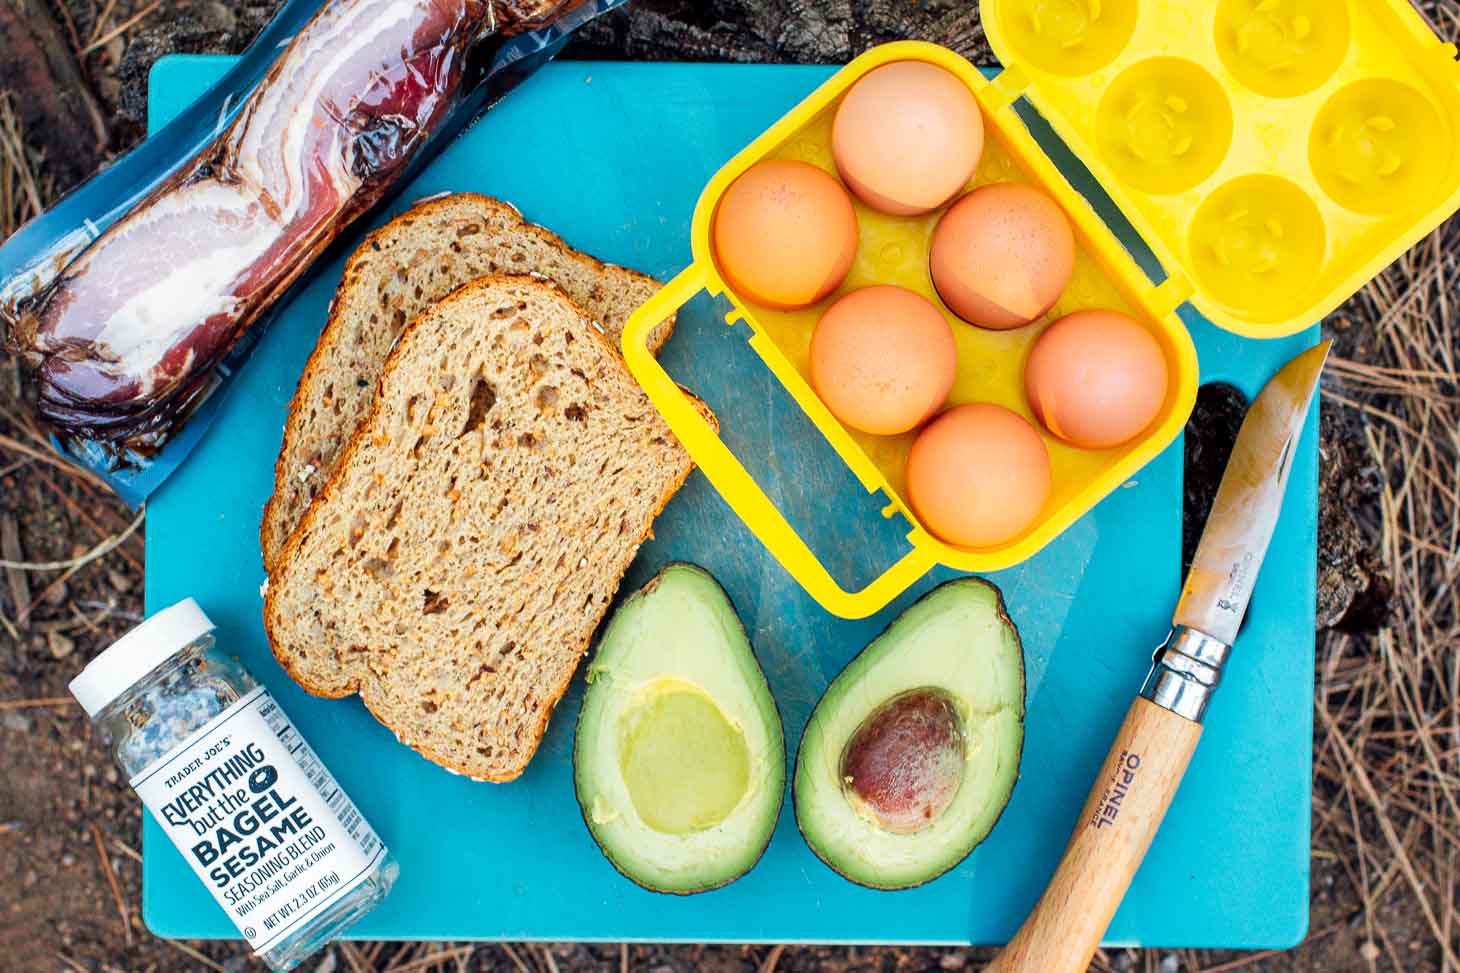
{"x":1003,"y":615}
{"x":780,"y":736}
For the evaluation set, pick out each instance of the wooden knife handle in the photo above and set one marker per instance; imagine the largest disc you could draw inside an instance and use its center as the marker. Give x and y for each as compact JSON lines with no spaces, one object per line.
{"x":1125,"y":807}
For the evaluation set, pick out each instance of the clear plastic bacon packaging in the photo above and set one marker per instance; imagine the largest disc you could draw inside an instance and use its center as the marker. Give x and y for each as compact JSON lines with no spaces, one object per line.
{"x":130,"y":303}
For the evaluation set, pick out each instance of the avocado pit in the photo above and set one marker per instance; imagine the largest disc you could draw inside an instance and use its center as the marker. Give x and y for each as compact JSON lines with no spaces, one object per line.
{"x":910,"y":756}
{"x":903,"y":766}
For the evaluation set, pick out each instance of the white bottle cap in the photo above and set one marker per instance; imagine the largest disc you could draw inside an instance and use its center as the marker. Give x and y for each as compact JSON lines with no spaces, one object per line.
{"x":127,"y":660}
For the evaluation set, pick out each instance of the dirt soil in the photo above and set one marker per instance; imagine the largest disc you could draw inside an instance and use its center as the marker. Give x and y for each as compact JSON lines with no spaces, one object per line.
{"x":1384,"y":849}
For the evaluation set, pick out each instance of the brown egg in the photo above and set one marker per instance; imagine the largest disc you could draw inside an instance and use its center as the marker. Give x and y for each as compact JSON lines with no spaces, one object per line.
{"x":907,"y":137}
{"x":1096,"y":378}
{"x":785,"y":234}
{"x":1002,"y":255}
{"x":978,"y":475}
{"x":883,"y":359}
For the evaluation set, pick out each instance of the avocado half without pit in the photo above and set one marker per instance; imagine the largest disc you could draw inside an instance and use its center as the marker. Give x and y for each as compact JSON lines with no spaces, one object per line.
{"x":912,"y":753}
{"x":679,"y":761}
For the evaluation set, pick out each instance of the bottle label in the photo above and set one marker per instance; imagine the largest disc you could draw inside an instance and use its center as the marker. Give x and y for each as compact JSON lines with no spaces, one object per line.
{"x":260,"y":820}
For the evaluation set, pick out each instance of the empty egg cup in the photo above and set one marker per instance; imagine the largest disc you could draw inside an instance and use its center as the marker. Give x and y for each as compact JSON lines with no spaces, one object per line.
{"x":1275,"y":154}
{"x":1073,"y":37}
{"x":1371,"y":146}
{"x":1282,"y":48}
{"x":1164,"y":124}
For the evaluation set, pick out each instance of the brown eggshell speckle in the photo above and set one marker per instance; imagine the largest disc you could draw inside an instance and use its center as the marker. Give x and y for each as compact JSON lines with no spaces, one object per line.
{"x":1096,"y":378}
{"x":785,"y":234}
{"x":1002,"y":255}
{"x":907,"y":137}
{"x":883,"y":359}
{"x":978,"y":475}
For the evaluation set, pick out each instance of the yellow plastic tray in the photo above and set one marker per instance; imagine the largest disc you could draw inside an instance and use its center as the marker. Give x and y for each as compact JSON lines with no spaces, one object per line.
{"x":991,"y":364}
{"x":1276,"y":154}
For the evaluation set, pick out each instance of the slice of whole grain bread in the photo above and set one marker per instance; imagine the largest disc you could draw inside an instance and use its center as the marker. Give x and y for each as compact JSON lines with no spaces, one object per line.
{"x":396,"y":273}
{"x":476,"y":526}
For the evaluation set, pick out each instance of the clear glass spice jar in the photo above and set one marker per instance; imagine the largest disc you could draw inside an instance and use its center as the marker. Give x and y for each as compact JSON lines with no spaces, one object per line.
{"x":226,"y":775}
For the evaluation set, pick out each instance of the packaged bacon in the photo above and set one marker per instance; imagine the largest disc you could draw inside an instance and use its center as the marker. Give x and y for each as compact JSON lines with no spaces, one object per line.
{"x":130,"y":303}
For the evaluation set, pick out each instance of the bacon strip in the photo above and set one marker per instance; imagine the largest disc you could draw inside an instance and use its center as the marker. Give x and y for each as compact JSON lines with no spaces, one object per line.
{"x":124,"y":339}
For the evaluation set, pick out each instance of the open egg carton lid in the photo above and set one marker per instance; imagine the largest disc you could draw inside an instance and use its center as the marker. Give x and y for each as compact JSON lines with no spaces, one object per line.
{"x":1275,"y":154}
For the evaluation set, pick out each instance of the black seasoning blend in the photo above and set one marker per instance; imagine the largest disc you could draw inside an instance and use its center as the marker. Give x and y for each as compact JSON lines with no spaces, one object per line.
{"x":246,"y":801}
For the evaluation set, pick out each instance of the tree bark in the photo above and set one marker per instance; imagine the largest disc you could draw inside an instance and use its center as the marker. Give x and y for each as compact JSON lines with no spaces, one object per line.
{"x":50,"y":95}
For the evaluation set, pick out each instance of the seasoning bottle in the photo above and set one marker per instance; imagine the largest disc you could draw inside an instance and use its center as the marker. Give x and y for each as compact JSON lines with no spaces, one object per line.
{"x":259,"y":819}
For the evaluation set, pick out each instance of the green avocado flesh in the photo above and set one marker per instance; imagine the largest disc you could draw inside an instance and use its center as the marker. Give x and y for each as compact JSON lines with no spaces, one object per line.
{"x":685,"y":765}
{"x":912,"y":753}
{"x":679,"y":760}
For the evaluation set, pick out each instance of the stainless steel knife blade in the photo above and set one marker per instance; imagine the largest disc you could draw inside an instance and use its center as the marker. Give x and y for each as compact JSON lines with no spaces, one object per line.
{"x":1234,"y":541}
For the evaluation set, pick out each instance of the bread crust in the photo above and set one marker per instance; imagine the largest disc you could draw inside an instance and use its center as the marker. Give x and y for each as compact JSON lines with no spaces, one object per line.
{"x":270,"y":524}
{"x":326,"y":494}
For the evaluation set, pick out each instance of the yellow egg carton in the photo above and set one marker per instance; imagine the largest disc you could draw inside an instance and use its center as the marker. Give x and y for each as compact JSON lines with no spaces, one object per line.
{"x":1275,"y":154}
{"x":1248,"y":230}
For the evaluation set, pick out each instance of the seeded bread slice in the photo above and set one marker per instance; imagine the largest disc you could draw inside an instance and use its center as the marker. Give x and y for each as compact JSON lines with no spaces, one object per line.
{"x":395,"y":274}
{"x":476,"y":527}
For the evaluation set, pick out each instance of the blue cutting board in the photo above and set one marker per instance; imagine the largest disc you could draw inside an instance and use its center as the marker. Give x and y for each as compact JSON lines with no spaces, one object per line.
{"x":613,"y":157}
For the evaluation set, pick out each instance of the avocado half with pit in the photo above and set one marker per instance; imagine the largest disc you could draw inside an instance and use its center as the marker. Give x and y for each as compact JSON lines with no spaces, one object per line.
{"x":912,"y":753}
{"x":680,"y":760}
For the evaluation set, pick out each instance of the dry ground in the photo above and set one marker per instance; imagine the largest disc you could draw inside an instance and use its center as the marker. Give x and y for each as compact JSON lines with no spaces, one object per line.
{"x":1386,"y":826}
